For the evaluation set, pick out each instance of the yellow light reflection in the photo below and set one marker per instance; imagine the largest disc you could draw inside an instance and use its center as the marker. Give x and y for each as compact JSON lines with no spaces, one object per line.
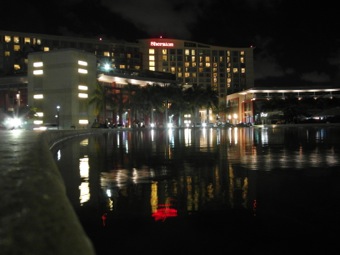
{"x":84,"y":174}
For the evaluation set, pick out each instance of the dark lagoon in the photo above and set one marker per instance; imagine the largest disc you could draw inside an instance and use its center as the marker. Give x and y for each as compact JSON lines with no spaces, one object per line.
{"x":255,"y":190}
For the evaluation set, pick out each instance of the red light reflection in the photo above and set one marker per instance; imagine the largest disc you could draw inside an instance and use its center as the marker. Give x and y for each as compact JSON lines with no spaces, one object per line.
{"x":163,"y":212}
{"x":104,"y":216}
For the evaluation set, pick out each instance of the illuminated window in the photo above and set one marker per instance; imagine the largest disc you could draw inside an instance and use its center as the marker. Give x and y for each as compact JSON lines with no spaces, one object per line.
{"x":39,"y":114}
{"x":151,"y":51}
{"x":179,"y":75}
{"x":38,"y":72}
{"x":200,"y":70}
{"x":151,"y":63}
{"x":37,"y":122}
{"x":7,"y":38}
{"x":46,"y":49}
{"x":242,"y":53}
{"x":235,"y":70}
{"x":242,"y":59}
{"x":81,"y":70}
{"x":39,"y":41}
{"x":207,"y":64}
{"x":16,"y":39}
{"x":187,"y":52}
{"x":172,"y":69}
{"x":152,"y":58}
{"x":27,"y":40}
{"x":165,"y":58}
{"x":128,"y":55}
{"x":7,"y":54}
{"x":16,"y":47}
{"x":38,"y":64}
{"x":16,"y":67}
{"x":186,"y":64}
{"x":83,"y":122}
{"x":207,"y":59}
{"x":164,"y":51}
{"x":228,"y":70}
{"x":152,"y":68}
{"x":82,"y":63}
{"x":122,"y":66}
{"x":106,"y":54}
{"x":38,"y":96}
{"x":82,"y":95}
{"x":243,"y":70}
{"x":193,"y":64}
{"x":82,"y":87}
{"x":186,"y":75}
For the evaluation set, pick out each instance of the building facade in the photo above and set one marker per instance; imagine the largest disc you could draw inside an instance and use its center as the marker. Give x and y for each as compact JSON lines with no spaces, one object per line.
{"x":246,"y":106}
{"x":226,"y":70}
{"x":59,"y":84}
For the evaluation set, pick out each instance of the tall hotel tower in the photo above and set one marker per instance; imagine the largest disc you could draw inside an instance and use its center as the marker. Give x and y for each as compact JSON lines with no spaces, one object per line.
{"x":226,"y":70}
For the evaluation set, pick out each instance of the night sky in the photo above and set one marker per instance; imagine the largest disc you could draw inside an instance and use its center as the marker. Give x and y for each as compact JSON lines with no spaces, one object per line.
{"x":296,"y":41}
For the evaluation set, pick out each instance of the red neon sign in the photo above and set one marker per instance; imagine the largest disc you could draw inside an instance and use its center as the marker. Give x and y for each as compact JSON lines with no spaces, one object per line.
{"x":161,"y":44}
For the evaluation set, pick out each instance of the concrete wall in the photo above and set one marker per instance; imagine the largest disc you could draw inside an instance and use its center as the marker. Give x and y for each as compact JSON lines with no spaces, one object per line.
{"x":36,"y":216}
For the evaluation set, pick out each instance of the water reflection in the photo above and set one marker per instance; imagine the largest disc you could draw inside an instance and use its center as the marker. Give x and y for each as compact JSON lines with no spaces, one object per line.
{"x":163,"y":174}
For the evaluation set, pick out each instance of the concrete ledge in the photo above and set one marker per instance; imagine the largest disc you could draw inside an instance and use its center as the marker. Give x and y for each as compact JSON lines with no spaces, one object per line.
{"x":36,"y":217}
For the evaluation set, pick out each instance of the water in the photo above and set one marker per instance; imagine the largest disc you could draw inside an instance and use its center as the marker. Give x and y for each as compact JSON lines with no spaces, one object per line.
{"x":195,"y":191}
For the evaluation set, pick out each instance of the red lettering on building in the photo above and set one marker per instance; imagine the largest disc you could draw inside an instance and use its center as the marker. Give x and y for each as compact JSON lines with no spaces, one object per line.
{"x":161,"y":44}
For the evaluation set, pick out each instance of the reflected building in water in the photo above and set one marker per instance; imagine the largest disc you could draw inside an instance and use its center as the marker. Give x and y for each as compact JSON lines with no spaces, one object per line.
{"x":183,"y":172}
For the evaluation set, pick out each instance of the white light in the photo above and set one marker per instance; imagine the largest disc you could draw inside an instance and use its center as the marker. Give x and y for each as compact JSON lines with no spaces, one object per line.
{"x":13,"y":122}
{"x":81,"y":70}
{"x":38,"y":64}
{"x":107,"y":67}
{"x":38,"y":72}
{"x":82,"y":95}
{"x":83,"y":122}
{"x":82,"y":63}
{"x":37,"y":122}
{"x":38,"y":96}
{"x":39,"y":114}
{"x":82,"y":87}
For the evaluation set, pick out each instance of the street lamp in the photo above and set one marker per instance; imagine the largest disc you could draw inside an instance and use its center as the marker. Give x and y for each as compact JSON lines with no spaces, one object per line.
{"x":58,"y":116}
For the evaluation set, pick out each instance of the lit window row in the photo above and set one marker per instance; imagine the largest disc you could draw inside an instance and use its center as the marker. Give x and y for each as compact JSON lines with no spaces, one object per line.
{"x":16,"y":39}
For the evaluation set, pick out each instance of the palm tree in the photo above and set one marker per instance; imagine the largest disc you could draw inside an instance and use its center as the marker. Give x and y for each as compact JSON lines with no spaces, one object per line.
{"x":98,"y":99}
{"x":196,"y":99}
{"x":210,"y":101}
{"x":179,"y":104}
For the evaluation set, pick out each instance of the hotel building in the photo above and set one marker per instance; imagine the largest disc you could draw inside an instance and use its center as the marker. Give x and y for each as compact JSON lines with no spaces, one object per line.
{"x":226,"y":70}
